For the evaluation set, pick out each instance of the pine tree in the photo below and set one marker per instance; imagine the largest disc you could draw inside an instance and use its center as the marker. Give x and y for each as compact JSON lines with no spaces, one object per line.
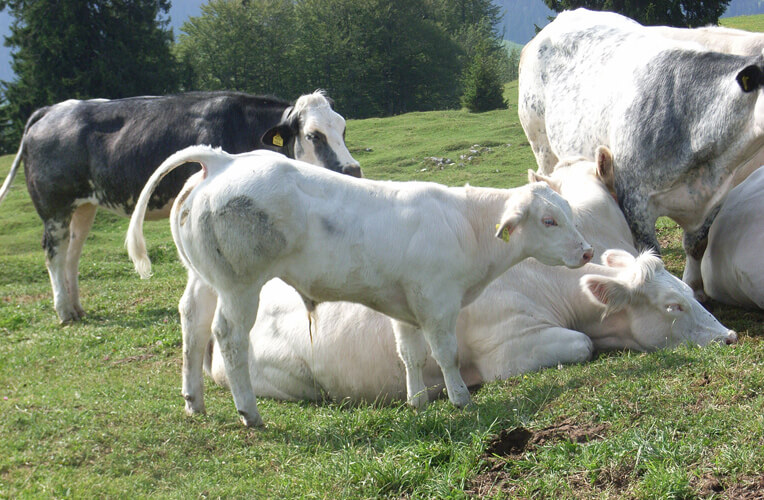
{"x":83,"y":49}
{"x":483,"y":90}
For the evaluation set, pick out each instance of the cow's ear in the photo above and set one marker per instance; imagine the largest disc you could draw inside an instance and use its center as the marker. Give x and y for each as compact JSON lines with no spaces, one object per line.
{"x":605,"y":290}
{"x":536,"y":177}
{"x":617,"y":258}
{"x":750,"y":78}
{"x":605,"y":168}
{"x":506,"y":227}
{"x":279,"y":136}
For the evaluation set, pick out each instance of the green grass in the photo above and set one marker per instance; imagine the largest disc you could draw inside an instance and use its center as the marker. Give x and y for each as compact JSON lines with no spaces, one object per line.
{"x":94,"y":409}
{"x":750,"y":23}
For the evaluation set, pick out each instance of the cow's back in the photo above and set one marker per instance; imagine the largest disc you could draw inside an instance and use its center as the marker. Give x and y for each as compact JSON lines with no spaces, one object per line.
{"x":105,"y":150}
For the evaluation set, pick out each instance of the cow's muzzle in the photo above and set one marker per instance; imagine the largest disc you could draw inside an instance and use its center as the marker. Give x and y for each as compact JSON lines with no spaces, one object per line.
{"x":353,"y":170}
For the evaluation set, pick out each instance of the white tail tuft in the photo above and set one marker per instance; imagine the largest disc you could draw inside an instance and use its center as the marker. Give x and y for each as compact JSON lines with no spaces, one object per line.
{"x":134,"y":241}
{"x":12,"y":174}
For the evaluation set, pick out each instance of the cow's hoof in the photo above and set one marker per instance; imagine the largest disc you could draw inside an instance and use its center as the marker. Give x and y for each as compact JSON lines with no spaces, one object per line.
{"x":69,"y":317}
{"x":251,"y":419}
{"x":79,"y":311}
{"x":462,"y":402}
{"x":419,"y":401}
{"x":194,"y":409}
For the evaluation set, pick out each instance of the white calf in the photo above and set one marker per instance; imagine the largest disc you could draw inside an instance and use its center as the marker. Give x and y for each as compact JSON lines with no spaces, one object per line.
{"x":528,"y":318}
{"x":733,"y":266}
{"x":417,"y":252}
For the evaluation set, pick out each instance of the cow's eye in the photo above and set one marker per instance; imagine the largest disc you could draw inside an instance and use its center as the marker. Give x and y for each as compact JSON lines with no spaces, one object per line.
{"x":674,"y":308}
{"x":549,"y":221}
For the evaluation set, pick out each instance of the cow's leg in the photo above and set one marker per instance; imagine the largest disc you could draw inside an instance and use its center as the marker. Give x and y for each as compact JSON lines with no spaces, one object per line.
{"x":533,"y":349}
{"x":545,"y":157}
{"x":197,"y":309}
{"x":694,"y":247}
{"x":79,"y":228}
{"x":695,"y":243}
{"x":530,"y":109}
{"x":234,"y":317}
{"x":55,"y":241}
{"x":413,"y":352}
{"x":441,"y":336}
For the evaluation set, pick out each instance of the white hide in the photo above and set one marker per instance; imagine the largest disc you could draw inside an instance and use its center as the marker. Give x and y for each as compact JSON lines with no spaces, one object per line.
{"x":733,"y":265}
{"x":415,"y":251}
{"x":716,"y":38}
{"x":530,"y":317}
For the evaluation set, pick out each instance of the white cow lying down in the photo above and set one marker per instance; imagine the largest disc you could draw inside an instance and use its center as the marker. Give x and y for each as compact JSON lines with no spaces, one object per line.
{"x":415,"y":251}
{"x":530,"y":317}
{"x":733,"y":265}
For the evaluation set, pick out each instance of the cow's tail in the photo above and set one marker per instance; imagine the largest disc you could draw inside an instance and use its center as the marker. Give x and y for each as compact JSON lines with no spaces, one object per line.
{"x":135,"y":241}
{"x":17,"y":161}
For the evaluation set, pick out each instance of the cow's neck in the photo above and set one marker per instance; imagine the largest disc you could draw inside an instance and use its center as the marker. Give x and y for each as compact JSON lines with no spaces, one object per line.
{"x":492,"y":256}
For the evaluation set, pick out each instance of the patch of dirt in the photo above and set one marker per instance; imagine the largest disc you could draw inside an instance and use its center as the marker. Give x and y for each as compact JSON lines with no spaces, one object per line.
{"x":514,"y":443}
{"x":750,"y":488}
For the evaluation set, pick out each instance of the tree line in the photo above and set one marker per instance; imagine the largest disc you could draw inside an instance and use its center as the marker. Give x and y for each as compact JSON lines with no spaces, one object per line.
{"x":374,"y":57}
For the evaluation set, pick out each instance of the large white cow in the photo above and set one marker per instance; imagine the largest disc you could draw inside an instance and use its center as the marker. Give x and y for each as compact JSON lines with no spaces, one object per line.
{"x":717,"y":38}
{"x":530,"y":317}
{"x":417,"y":252}
{"x":685,"y":124}
{"x":733,"y":265}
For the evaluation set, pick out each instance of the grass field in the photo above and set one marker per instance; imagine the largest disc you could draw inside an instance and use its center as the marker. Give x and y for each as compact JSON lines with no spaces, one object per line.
{"x":94,"y":409}
{"x":750,"y":23}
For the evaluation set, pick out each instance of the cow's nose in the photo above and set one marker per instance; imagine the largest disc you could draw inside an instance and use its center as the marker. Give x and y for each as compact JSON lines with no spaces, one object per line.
{"x":353,"y":170}
{"x":731,"y":337}
{"x":588,"y":255}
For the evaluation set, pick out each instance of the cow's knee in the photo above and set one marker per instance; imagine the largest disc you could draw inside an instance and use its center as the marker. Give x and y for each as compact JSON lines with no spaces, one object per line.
{"x":55,"y":243}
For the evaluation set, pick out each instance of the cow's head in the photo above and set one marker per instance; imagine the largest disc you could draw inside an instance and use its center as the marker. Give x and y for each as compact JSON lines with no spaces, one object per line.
{"x":543,"y":223}
{"x":657,"y":309}
{"x":311,"y":131}
{"x":589,"y":187}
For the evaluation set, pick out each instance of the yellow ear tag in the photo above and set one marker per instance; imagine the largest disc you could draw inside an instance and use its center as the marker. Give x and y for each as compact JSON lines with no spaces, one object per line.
{"x":278,"y":140}
{"x":504,"y":233}
{"x":745,"y":83}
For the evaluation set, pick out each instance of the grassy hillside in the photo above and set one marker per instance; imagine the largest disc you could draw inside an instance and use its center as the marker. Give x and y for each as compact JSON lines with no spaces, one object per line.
{"x":750,"y":23}
{"x":94,"y":409}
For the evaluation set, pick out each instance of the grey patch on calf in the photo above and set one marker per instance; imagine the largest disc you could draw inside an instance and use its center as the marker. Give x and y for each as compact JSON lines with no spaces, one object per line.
{"x":330,"y":227}
{"x":242,"y":234}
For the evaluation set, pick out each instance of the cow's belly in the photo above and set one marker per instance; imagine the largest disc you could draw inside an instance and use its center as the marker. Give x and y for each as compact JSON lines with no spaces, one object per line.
{"x":125,"y":210}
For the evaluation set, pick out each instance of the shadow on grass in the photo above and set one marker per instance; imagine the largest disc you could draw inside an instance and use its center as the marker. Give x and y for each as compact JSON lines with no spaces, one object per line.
{"x":136,"y":318}
{"x":387,"y":427}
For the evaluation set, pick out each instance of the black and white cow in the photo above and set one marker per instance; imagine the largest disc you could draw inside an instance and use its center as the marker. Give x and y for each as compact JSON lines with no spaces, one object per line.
{"x":79,"y":155}
{"x":685,"y":124}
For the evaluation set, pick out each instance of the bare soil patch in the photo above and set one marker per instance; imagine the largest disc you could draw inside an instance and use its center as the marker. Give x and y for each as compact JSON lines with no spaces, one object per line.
{"x":514,"y":443}
{"x":748,"y":488}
